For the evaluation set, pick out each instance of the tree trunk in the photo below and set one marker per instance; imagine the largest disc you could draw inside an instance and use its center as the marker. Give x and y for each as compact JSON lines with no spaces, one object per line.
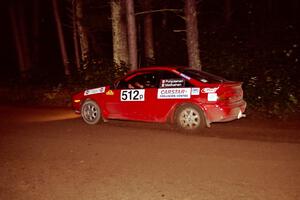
{"x":36,"y":33}
{"x":120,"y":45}
{"x":21,"y":39}
{"x":61,"y":38}
{"x":270,"y":9}
{"x":148,"y":34}
{"x":132,"y":39}
{"x":81,"y":30}
{"x":17,"y":40}
{"x":124,"y":33}
{"x":296,"y":7}
{"x":227,"y":12}
{"x":192,"y":34}
{"x":75,"y":36}
{"x":24,"y":38}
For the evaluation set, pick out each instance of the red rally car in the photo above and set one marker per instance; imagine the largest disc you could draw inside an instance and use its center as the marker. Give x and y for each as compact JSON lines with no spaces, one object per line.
{"x":185,"y":97}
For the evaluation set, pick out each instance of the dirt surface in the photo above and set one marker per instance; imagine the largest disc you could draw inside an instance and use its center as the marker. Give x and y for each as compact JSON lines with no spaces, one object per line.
{"x":49,"y":153}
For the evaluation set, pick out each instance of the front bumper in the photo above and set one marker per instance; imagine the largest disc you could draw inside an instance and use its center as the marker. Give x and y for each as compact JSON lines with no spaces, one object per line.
{"x":76,"y":107}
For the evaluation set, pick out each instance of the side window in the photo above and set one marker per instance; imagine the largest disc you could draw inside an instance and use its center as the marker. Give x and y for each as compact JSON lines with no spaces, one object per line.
{"x":172,"y":80}
{"x":122,"y":84}
{"x":146,"y":80}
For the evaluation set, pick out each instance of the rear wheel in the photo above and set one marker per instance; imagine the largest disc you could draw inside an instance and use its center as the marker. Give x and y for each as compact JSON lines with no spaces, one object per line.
{"x":91,"y":112}
{"x":189,"y":118}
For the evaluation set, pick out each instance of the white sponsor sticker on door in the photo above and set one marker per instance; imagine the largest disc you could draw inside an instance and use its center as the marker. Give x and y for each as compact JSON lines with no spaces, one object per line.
{"x":94,"y":91}
{"x":209,"y":90}
{"x":212,"y":97}
{"x":195,"y":91}
{"x":174,"y":93}
{"x":133,"y":95}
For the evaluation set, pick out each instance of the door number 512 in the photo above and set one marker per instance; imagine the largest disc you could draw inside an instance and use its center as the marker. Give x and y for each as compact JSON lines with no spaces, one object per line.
{"x":133,"y":95}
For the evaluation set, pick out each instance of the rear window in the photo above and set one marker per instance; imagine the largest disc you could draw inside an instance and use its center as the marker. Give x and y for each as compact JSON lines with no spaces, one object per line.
{"x":201,"y":76}
{"x":170,"y":79}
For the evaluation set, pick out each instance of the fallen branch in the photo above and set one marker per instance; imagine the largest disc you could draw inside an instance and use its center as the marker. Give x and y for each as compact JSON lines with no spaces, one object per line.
{"x":156,"y":11}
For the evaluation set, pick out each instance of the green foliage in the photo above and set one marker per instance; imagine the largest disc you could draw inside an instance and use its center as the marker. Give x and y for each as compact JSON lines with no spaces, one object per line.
{"x":100,"y":73}
{"x":57,"y":96}
{"x":95,"y":74}
{"x":272,"y":91}
{"x":38,"y":96}
{"x":270,"y":73}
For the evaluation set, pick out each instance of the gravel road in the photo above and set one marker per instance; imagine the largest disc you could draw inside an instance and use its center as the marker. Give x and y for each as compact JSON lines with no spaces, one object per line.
{"x":50,"y":154}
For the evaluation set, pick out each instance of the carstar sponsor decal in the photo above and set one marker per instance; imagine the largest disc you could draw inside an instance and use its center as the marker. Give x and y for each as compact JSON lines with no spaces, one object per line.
{"x":174,"y":93}
{"x":94,"y":91}
{"x":209,"y":90}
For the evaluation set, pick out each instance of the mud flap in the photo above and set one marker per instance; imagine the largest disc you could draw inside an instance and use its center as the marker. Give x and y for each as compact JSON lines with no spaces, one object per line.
{"x":241,"y":115}
{"x":207,"y":121}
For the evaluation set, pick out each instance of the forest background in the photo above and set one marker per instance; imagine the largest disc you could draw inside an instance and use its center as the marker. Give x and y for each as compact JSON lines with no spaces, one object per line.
{"x":52,"y":48}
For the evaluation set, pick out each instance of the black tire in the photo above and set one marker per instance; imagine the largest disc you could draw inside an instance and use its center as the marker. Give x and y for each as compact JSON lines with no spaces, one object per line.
{"x":91,"y":112}
{"x":189,"y":118}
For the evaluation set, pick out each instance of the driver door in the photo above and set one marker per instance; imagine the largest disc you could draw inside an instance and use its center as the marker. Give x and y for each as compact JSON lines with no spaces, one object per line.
{"x":132,"y":98}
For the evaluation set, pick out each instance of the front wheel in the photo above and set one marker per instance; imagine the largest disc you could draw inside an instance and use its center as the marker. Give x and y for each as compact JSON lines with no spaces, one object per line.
{"x":91,"y":112}
{"x":189,"y":118}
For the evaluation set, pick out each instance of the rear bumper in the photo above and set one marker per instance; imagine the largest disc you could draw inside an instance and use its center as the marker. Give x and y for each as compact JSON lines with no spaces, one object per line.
{"x":224,"y":113}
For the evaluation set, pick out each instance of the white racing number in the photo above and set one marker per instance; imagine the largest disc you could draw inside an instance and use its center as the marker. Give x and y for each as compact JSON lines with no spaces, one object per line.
{"x":133,"y":95}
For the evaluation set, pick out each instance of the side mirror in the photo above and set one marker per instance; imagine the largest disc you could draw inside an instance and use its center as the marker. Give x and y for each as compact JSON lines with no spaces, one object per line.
{"x":120,"y":84}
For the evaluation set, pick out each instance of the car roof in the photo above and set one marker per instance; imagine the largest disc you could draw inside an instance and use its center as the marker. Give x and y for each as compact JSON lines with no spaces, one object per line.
{"x":167,"y":68}
{"x":150,"y":68}
{"x":154,"y":68}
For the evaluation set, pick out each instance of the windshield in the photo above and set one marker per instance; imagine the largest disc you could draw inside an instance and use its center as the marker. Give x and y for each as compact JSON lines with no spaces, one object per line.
{"x":201,"y":76}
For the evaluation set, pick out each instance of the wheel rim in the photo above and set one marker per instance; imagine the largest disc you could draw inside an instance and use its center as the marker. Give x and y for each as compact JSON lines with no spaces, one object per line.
{"x":189,"y":118}
{"x":90,"y":112}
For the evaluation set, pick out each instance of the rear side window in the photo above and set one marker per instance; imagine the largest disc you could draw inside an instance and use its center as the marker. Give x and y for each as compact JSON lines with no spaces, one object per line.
{"x":201,"y":76}
{"x":171,"y":80}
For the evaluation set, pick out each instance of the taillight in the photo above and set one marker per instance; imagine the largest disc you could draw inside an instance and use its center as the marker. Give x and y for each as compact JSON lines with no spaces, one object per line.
{"x":231,"y":96}
{"x":225,"y":96}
